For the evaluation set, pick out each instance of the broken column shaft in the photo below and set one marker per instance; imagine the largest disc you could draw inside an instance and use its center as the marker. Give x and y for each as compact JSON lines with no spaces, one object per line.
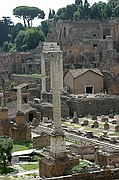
{"x":19,"y":100}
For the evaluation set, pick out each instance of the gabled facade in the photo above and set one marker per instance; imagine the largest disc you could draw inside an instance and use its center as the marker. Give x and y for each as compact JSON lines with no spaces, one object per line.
{"x":84,"y":81}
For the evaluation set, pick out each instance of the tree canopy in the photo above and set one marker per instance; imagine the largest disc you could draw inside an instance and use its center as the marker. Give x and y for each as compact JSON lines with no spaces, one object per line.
{"x":28,"y":14}
{"x":83,"y":10}
{"x":6,"y":146}
{"x":28,"y":39}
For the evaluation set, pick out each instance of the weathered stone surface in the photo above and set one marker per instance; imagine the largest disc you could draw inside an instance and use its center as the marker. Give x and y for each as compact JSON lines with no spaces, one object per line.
{"x":41,"y":141}
{"x":56,"y":167}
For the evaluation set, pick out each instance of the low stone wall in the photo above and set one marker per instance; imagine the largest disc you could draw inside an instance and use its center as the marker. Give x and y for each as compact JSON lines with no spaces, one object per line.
{"x":97,"y":106}
{"x":81,"y":149}
{"x":86,"y":152}
{"x":98,"y":175}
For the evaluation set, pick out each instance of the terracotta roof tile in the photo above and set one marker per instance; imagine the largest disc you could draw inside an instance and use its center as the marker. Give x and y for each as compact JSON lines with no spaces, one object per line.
{"x":78,"y":72}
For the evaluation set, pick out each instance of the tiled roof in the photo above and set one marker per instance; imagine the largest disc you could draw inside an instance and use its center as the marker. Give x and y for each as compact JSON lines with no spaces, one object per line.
{"x":78,"y":72}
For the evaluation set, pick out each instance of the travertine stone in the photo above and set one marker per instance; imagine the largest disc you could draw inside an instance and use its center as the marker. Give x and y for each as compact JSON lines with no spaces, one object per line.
{"x":19,"y":100}
{"x":53,"y":52}
{"x":43,"y":73}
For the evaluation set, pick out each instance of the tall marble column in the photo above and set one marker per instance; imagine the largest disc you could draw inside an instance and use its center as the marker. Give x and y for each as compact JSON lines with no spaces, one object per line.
{"x":50,"y":74}
{"x":43,"y":73}
{"x":19,"y":100}
{"x":58,"y":143}
{"x":61,"y":70}
{"x":56,"y":87}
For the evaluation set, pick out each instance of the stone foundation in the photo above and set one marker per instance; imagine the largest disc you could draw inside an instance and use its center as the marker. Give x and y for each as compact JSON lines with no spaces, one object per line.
{"x":50,"y":167}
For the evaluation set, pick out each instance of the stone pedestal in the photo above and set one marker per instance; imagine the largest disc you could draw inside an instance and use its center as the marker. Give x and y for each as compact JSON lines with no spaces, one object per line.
{"x":75,"y":120}
{"x":111,"y":116}
{"x":94,"y":117}
{"x":50,"y":167}
{"x":106,"y":126}
{"x":89,"y":134}
{"x":104,"y":119}
{"x":20,"y":119}
{"x":20,"y":131}
{"x":117,"y":128}
{"x":105,"y":134}
{"x":96,"y":124}
{"x":58,"y":145}
{"x":85,"y":123}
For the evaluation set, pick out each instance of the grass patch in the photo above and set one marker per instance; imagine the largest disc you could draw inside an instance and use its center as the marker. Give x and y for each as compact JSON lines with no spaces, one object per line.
{"x":7,"y":178}
{"x":78,"y":168}
{"x":29,"y":167}
{"x":82,"y":164}
{"x":114,"y":134}
{"x":20,"y":146}
{"x":29,"y":75}
{"x":96,"y":131}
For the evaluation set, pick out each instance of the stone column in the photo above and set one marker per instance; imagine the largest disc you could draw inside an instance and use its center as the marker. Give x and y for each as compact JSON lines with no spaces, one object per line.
{"x":58,"y":143}
{"x":19,"y":100}
{"x":56,"y":87}
{"x":1,"y":100}
{"x":43,"y":73}
{"x":61,"y":71}
{"x":50,"y":74}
